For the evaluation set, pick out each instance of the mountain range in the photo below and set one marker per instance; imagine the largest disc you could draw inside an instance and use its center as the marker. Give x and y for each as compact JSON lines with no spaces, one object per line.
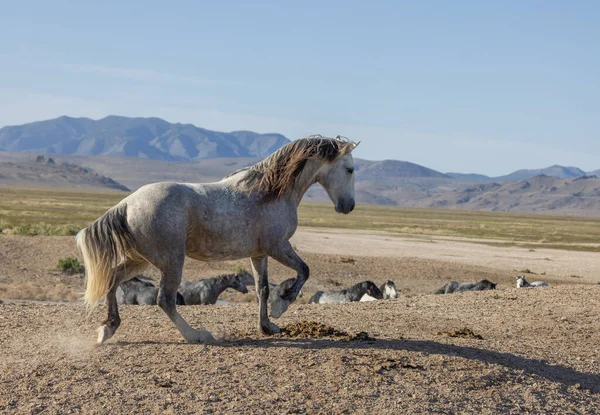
{"x":158,"y":139}
{"x":151,"y":138}
{"x":150,"y":146}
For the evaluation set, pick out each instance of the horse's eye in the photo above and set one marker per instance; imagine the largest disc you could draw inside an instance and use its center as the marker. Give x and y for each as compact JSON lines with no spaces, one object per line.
{"x":350,"y":170}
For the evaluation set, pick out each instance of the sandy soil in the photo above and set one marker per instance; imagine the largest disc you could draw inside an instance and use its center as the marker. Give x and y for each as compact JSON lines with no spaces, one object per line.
{"x":539,"y":350}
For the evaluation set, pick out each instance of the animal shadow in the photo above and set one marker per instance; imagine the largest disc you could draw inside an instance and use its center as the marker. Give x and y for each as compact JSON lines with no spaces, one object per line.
{"x":555,"y":373}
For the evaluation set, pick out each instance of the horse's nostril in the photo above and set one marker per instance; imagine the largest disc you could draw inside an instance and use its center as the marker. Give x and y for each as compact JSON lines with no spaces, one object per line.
{"x":352,"y":207}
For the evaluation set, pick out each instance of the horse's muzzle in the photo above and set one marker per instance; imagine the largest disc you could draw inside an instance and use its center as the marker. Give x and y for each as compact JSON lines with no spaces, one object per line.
{"x":345,"y":207}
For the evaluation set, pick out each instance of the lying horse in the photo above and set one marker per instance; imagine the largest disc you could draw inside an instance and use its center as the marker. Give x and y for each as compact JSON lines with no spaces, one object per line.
{"x":455,"y":287}
{"x":388,"y":290}
{"x":253,"y":213}
{"x":139,"y":290}
{"x":207,"y":291}
{"x":522,"y":282}
{"x":354,"y":293}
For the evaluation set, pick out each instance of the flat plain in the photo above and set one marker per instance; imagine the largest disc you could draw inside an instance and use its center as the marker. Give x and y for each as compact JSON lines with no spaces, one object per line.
{"x":504,"y":351}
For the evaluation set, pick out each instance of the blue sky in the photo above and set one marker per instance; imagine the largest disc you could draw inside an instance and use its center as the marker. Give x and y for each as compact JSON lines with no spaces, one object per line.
{"x":466,"y":86}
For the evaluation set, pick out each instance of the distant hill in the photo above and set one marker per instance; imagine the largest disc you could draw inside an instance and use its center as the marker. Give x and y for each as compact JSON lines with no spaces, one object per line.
{"x":594,"y":173}
{"x":151,"y":138}
{"x":580,"y":195}
{"x":47,"y":173}
{"x":371,"y":170}
{"x":556,"y":171}
{"x":136,"y":172}
{"x":471,"y":177}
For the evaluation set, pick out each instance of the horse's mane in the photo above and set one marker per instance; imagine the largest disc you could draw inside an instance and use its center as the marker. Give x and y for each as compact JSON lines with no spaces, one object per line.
{"x":223,"y":277}
{"x":278,"y":172}
{"x":357,"y":286}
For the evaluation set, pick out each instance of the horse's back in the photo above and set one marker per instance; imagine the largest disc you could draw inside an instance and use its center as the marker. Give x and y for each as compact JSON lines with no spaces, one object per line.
{"x":332,"y":298}
{"x":448,"y":288}
{"x":466,"y":286}
{"x":539,"y":284}
{"x":194,"y":292}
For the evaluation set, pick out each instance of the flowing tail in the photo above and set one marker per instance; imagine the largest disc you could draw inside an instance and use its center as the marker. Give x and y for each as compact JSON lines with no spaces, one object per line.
{"x":106,"y":244}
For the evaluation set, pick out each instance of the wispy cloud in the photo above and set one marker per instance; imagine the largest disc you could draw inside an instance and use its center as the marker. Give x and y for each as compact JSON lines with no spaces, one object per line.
{"x":142,"y":75}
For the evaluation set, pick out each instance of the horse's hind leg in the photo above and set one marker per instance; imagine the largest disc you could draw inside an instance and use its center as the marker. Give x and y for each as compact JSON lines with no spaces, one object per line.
{"x":112,"y":322}
{"x":259,"y":268}
{"x":167,"y":301}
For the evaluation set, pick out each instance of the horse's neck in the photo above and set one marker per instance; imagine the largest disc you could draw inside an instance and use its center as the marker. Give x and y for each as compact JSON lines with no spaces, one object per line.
{"x":305,"y":179}
{"x":355,"y":293}
{"x":220,"y":285}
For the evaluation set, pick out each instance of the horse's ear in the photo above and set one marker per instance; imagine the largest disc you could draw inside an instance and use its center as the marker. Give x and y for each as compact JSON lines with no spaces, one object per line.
{"x":354,"y":145}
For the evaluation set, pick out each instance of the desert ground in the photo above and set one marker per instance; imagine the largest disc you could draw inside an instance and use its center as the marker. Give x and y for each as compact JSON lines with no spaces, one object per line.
{"x":504,"y":351}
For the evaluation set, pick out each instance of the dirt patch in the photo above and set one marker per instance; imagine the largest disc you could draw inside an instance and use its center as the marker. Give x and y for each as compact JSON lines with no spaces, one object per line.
{"x":311,"y":329}
{"x":465,"y":333}
{"x":391,"y":364}
{"x":362,"y":336}
{"x":539,"y":364}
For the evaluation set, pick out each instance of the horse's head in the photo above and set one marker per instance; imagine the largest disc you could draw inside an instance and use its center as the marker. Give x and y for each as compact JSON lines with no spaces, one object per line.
{"x":487,"y":285}
{"x":389,"y":290}
{"x":337,"y":178}
{"x":372,"y":290}
{"x":521,"y":282}
{"x":238,"y":283}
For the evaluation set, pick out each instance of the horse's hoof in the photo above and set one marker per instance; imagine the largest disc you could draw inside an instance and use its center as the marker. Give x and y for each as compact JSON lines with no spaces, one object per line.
{"x":270,"y":330}
{"x":104,"y":333}
{"x":201,"y":336}
{"x":278,"y":307}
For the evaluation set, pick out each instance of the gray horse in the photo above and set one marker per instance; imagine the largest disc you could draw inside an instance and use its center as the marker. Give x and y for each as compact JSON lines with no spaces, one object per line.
{"x":140,"y":290}
{"x":253,"y":213}
{"x":354,"y":293}
{"x":456,"y":287}
{"x":207,"y":291}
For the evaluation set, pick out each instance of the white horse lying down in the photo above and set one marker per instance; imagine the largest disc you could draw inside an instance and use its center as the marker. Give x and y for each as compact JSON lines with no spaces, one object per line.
{"x":522,"y":282}
{"x":388,"y":290}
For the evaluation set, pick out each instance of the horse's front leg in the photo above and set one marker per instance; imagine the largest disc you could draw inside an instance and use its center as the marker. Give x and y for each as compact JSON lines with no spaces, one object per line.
{"x":287,"y":292}
{"x":259,"y":269}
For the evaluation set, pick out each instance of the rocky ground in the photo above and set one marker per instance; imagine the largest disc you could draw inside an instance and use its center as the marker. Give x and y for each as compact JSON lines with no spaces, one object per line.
{"x":504,"y":351}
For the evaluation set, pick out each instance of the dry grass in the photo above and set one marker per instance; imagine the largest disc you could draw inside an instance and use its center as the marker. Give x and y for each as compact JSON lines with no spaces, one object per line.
{"x":562,"y":232}
{"x":51,"y":212}
{"x":60,"y":212}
